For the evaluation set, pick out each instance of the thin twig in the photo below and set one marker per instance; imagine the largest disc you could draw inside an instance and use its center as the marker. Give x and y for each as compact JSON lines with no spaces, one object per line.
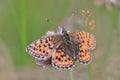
{"x":71,"y":74}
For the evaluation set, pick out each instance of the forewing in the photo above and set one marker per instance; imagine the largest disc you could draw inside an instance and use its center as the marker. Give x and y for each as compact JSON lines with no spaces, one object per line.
{"x":84,"y":38}
{"x":62,"y":60}
{"x":42,"y":49}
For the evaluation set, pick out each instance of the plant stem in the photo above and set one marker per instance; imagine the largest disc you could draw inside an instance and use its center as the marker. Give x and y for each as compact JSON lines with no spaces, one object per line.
{"x":89,"y":71}
{"x":19,"y":16}
{"x":71,"y":75}
{"x":22,"y":24}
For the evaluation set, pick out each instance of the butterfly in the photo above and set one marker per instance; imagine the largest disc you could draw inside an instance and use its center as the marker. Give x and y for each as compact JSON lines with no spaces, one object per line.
{"x":63,"y":48}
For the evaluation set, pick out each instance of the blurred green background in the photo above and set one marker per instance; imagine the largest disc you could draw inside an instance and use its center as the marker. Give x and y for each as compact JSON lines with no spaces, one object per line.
{"x":23,"y":21}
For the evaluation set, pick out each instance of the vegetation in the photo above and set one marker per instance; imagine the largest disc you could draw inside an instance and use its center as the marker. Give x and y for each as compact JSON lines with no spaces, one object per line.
{"x":23,"y":21}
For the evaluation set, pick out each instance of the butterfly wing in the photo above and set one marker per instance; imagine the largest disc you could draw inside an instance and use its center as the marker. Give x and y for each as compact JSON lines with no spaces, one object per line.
{"x":43,"y":62}
{"x":84,"y":56}
{"x":42,"y":49}
{"x":84,"y":41}
{"x":84,"y":38}
{"x":61,"y":59}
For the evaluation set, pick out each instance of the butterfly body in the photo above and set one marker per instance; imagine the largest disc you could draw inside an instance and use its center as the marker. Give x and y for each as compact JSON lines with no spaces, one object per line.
{"x":70,"y":48}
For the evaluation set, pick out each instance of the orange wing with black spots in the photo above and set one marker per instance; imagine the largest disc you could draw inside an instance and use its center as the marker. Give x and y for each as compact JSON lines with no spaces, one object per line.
{"x":84,"y":38}
{"x":84,"y":56}
{"x":62,"y":60}
{"x":42,"y":49}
